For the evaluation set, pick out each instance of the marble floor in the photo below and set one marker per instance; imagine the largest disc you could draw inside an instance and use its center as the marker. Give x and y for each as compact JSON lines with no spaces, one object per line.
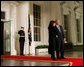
{"x":30,"y":63}
{"x":74,"y":54}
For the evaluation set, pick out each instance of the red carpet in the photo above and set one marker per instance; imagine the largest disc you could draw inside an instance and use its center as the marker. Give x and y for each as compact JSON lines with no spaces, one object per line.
{"x":72,"y":61}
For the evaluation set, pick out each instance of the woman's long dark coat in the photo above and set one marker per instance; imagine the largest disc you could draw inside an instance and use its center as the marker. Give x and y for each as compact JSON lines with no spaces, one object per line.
{"x":52,"y":40}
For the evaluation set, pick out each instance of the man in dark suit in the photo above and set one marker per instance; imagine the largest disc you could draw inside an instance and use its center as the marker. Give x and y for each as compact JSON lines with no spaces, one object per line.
{"x":60,"y":39}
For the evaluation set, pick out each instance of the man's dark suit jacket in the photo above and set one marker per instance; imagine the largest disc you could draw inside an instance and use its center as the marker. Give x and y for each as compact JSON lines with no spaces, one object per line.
{"x":60,"y":37}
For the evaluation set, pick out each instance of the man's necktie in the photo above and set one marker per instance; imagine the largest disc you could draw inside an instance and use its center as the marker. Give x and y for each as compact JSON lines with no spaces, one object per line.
{"x":59,"y":28}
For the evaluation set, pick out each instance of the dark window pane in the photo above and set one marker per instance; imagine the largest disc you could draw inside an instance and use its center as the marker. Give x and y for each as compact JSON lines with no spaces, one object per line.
{"x":36,"y":12}
{"x":66,"y":26}
{"x":78,"y":30}
{"x":2,"y":15}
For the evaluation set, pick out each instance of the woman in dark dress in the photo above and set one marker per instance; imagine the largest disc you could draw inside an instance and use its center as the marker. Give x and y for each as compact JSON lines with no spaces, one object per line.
{"x":52,"y":39}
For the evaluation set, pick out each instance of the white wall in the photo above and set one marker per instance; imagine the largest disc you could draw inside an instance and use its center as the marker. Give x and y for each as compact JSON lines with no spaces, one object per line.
{"x":46,"y":17}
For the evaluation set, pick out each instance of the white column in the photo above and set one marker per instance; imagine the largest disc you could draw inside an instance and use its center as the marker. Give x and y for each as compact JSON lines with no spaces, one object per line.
{"x":82,"y":28}
{"x":25,"y":22}
{"x":13,"y":28}
{"x":32,"y":47}
{"x":73,"y":26}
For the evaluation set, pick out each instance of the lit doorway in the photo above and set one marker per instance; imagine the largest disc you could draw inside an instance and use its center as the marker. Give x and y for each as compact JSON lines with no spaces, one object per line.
{"x":5,"y":37}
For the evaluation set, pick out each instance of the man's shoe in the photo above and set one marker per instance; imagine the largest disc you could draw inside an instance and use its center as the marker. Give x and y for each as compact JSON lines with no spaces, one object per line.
{"x":53,"y":58}
{"x":63,"y":58}
{"x":58,"y":57}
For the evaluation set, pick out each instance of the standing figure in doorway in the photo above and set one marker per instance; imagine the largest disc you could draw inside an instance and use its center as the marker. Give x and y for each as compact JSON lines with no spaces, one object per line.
{"x":21,"y":40}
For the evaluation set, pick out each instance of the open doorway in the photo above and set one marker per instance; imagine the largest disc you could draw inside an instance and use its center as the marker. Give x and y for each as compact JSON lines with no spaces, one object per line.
{"x":1,"y":36}
{"x":5,"y":29}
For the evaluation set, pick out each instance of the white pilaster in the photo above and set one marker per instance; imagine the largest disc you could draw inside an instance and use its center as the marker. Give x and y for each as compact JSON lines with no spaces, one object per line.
{"x":26,"y":45}
{"x":13,"y":28}
{"x":32,"y":47}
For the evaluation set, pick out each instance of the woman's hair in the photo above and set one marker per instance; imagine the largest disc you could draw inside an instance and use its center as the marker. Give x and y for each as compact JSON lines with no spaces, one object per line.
{"x":51,"y":24}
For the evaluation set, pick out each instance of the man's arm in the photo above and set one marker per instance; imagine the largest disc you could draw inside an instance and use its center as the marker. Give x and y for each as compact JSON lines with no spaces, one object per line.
{"x":63,"y":34}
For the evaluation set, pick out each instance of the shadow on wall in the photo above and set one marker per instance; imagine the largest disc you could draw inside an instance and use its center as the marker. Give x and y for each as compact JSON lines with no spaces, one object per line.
{"x":17,"y":46}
